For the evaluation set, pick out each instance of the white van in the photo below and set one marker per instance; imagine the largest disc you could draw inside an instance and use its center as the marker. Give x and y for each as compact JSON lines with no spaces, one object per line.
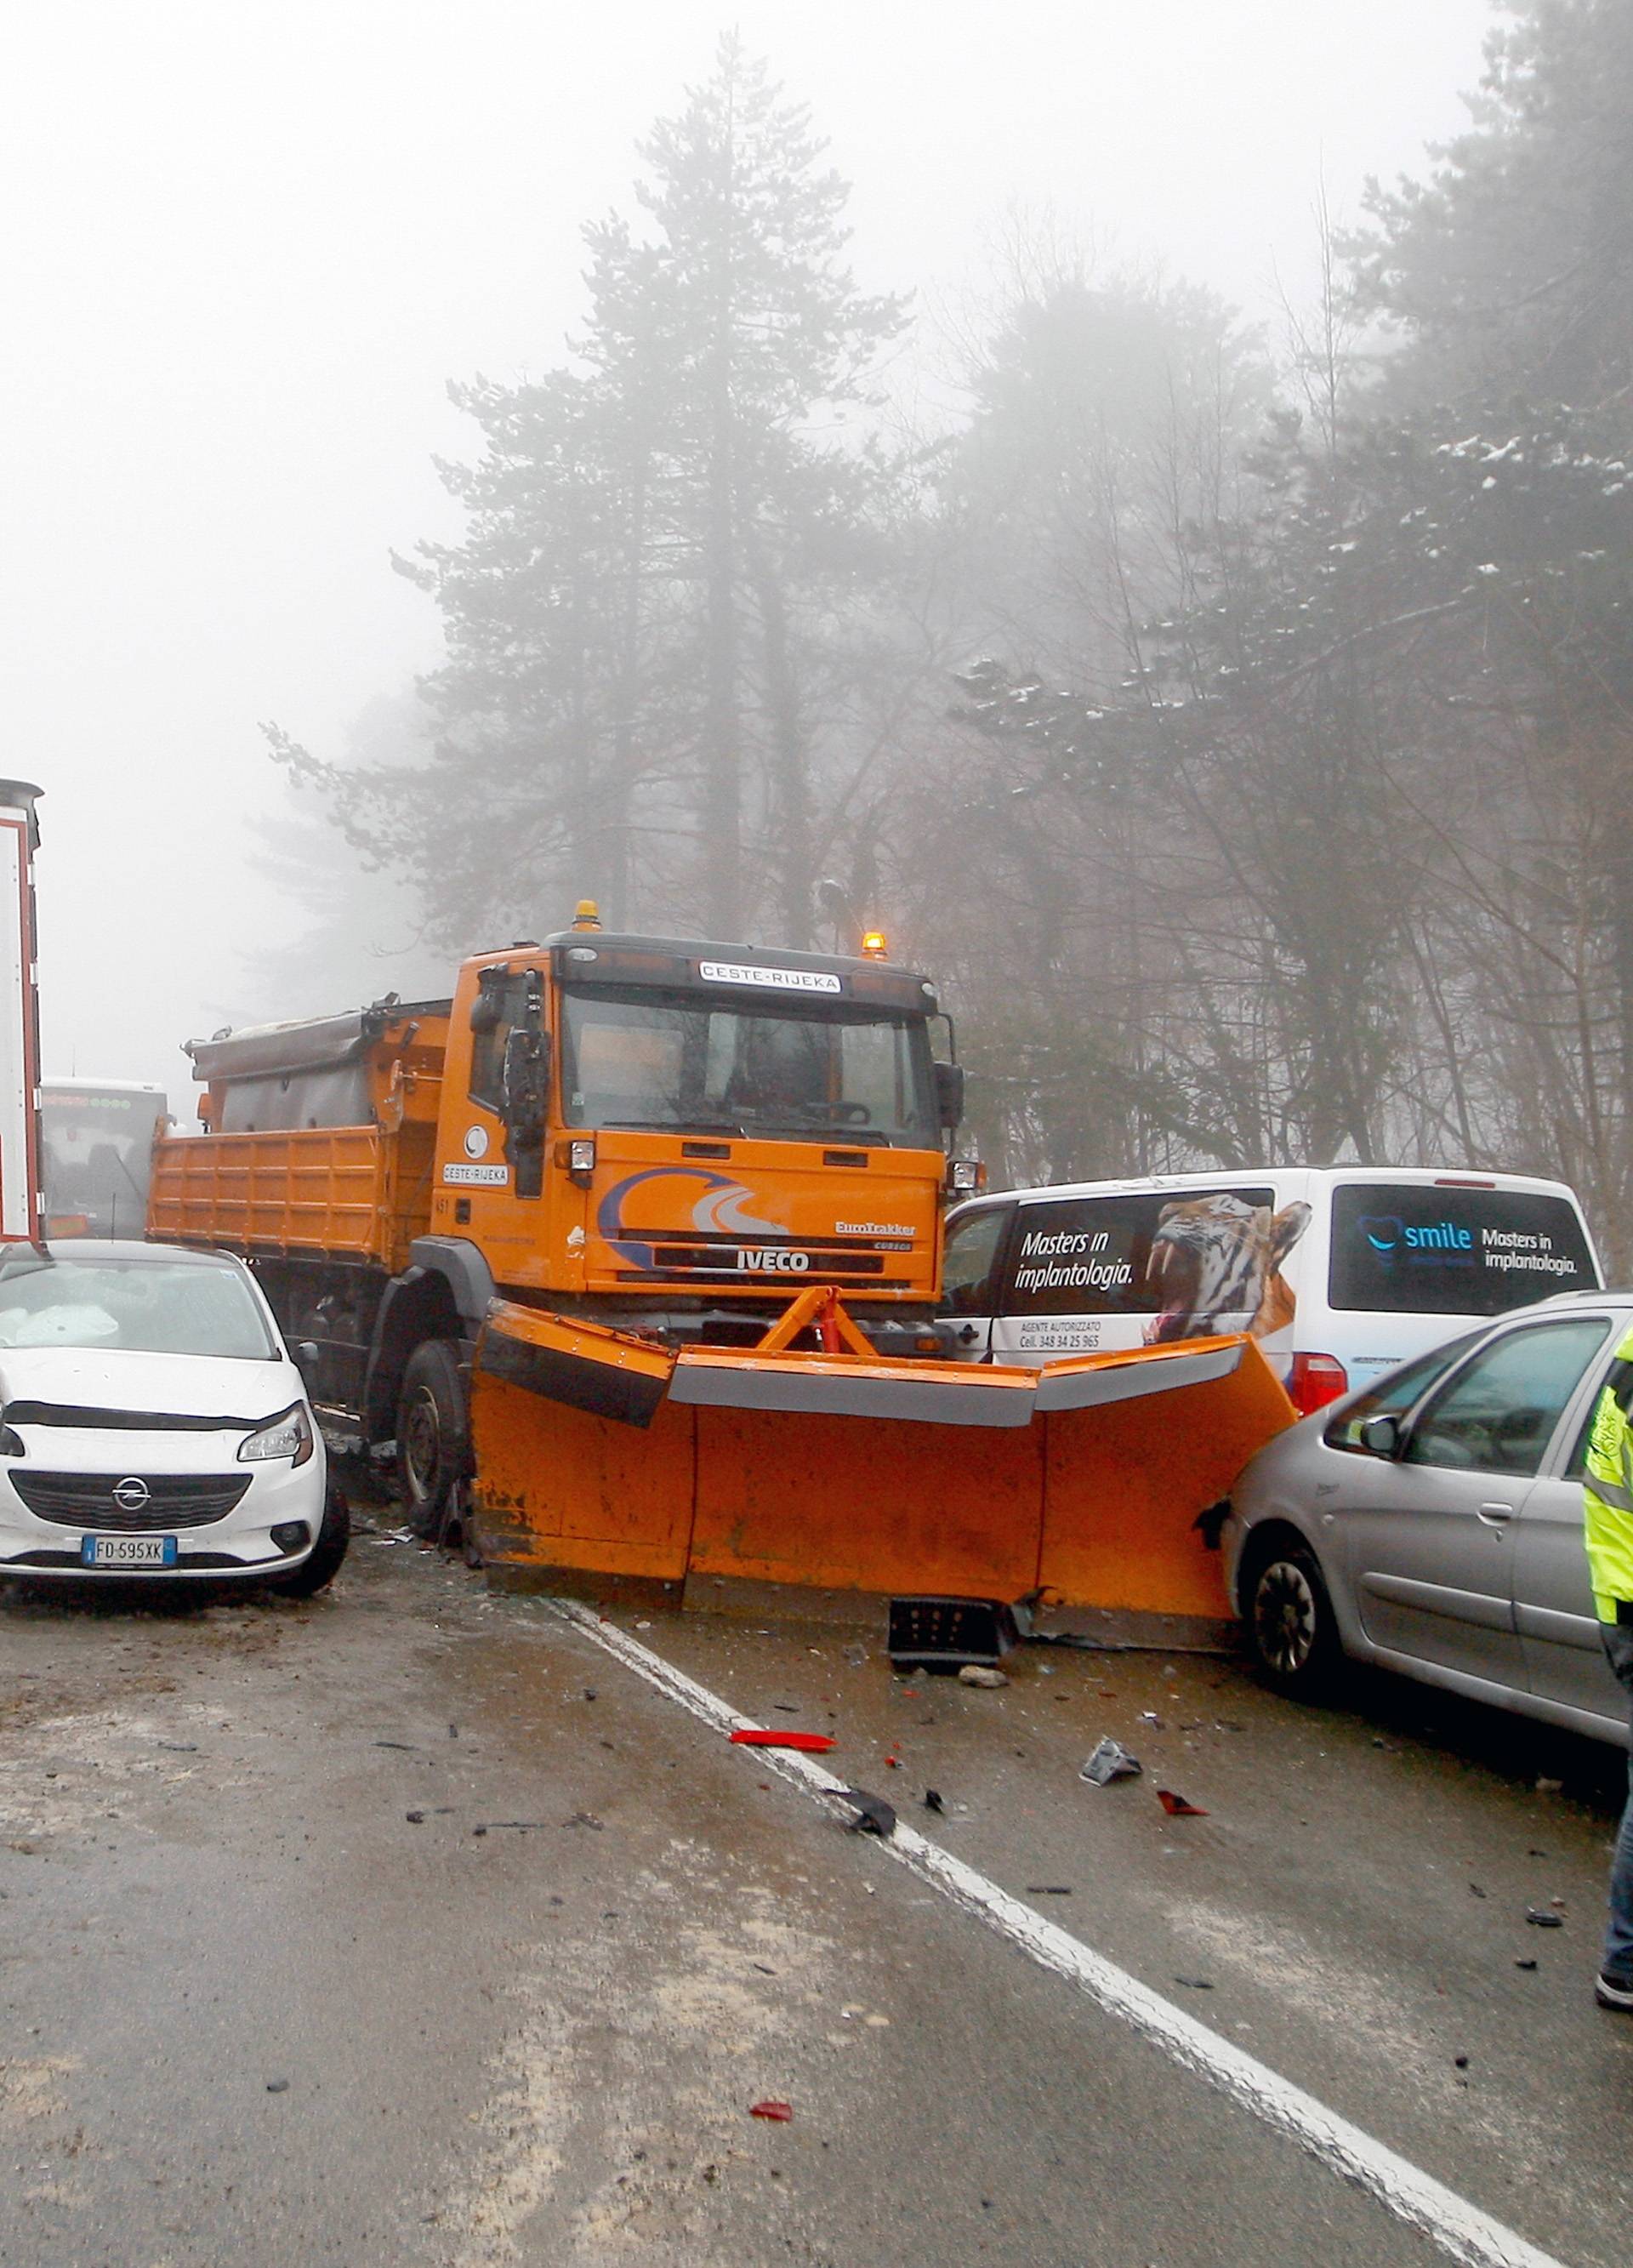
{"x":1339,"y":1272}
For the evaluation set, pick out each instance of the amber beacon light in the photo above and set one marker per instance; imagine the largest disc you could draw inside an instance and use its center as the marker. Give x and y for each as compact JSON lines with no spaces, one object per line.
{"x":873,"y":945}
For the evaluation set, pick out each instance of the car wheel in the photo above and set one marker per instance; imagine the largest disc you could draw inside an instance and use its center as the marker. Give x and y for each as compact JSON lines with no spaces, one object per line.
{"x":321,"y":1564}
{"x":1292,"y":1629}
{"x":433,"y":1433}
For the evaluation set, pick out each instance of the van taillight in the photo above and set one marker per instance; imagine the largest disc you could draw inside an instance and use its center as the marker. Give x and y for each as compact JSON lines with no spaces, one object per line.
{"x":1315,"y":1380}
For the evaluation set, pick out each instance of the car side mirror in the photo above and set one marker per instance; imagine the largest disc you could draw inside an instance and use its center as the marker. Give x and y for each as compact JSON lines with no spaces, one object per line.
{"x":950,"y":1094}
{"x":1381,"y":1437}
{"x":308,"y":1354}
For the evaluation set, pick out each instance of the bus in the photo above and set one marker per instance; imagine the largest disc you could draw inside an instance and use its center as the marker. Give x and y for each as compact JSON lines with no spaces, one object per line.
{"x":96,"y":1146}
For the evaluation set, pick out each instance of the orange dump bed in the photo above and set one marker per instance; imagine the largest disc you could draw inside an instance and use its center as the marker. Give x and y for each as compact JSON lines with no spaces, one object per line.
{"x":348,"y":1192}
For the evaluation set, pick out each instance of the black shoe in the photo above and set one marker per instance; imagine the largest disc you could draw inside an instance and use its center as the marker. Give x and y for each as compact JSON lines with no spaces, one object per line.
{"x":1613,"y":1992}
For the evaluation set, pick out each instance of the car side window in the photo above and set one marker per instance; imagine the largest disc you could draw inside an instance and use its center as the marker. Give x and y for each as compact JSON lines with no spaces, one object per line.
{"x":1576,"y":1464}
{"x":973,"y":1246}
{"x":1497,"y":1415}
{"x":1396,"y":1392}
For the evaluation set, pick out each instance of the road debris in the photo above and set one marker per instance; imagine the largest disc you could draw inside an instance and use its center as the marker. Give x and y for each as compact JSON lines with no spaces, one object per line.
{"x":1540,"y":1918}
{"x":976,"y":1673}
{"x":782,"y":2112}
{"x":1048,"y":1890}
{"x":875,"y":1817}
{"x":278,"y":2087}
{"x":1111,"y":1761}
{"x":414,"y":1818}
{"x":578,"y":1819}
{"x":932,"y":1800}
{"x":776,"y":1736}
{"x":1177,"y":1807}
{"x":1195,"y":1983}
{"x":1525,"y":1964}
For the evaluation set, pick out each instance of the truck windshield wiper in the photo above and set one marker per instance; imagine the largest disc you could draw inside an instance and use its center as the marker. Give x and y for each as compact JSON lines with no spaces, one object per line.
{"x":693,"y":1123}
{"x":815,"y":1130}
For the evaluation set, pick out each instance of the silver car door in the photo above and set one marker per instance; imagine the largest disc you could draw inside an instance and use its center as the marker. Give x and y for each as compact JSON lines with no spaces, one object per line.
{"x":1430,"y":1537}
{"x":1565,"y":1660}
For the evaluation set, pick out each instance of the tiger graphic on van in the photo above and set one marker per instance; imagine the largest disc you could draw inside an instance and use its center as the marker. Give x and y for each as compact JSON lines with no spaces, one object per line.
{"x":1217,"y":1260}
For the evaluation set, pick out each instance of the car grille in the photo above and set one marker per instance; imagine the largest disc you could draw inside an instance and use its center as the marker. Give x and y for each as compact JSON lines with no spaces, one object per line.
{"x":87,"y":1500}
{"x":194,"y":1562}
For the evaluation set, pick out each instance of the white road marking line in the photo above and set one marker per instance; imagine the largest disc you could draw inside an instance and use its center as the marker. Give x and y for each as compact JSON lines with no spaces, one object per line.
{"x":1460,"y":2229}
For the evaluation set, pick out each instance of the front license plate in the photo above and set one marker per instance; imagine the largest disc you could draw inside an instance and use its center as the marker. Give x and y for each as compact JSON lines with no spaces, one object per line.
{"x":128,"y":1551}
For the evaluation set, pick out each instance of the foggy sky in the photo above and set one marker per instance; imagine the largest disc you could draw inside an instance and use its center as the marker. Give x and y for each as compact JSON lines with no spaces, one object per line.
{"x":246,"y":245}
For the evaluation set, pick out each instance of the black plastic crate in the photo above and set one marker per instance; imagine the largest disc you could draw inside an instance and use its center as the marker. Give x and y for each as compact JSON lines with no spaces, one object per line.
{"x":930,"y":1633}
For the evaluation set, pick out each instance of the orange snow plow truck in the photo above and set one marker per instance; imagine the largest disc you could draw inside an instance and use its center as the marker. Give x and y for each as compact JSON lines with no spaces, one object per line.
{"x":630,"y":1253}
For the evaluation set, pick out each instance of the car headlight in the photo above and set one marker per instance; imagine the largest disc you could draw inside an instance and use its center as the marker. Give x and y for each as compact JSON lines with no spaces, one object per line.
{"x":288,"y":1436}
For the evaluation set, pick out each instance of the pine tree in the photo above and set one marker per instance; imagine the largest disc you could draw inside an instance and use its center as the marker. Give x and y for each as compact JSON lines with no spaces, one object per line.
{"x":672,"y":545}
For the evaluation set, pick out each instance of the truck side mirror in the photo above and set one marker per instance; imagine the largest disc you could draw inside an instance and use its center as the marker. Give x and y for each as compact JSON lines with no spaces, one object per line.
{"x":527,"y":1081}
{"x":1381,"y":1437}
{"x":949,"y":1095}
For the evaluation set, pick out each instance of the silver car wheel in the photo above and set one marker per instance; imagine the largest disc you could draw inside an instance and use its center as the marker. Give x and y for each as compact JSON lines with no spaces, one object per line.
{"x":1285,"y":1618}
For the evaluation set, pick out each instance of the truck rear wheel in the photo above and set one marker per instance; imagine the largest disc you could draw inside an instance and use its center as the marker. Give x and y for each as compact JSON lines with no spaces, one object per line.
{"x":433,"y":1433}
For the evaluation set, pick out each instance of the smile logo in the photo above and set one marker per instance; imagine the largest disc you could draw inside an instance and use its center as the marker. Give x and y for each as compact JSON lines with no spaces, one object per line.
{"x":1384,"y":1235}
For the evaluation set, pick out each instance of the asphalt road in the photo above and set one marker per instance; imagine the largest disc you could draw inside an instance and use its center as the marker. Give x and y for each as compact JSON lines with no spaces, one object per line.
{"x":409,"y":1926}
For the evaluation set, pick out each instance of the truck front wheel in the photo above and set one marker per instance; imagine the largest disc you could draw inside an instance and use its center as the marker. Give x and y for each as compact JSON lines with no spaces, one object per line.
{"x":433,"y":1433}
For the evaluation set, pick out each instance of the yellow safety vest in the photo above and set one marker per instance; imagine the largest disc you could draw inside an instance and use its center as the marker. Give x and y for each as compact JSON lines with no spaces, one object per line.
{"x":1608,"y":1495}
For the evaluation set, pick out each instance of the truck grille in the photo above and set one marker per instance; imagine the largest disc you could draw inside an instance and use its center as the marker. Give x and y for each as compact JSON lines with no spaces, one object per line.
{"x":87,"y":1500}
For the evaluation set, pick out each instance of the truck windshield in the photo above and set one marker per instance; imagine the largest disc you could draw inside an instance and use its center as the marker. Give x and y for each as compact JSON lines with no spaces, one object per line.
{"x":98,"y":1143}
{"x":635,"y":1056}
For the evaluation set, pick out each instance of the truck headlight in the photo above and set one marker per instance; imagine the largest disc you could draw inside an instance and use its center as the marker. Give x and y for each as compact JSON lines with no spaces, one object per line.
{"x":288,"y":1436}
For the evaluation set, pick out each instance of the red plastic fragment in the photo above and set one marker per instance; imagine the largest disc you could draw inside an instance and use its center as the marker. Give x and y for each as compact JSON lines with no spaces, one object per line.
{"x":1177,"y":1807}
{"x":781,"y":2111}
{"x":775,"y":1737}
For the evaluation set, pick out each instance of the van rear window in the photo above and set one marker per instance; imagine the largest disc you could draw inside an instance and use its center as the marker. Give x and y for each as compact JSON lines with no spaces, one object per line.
{"x":1186,"y":1255}
{"x":1421,"y":1248}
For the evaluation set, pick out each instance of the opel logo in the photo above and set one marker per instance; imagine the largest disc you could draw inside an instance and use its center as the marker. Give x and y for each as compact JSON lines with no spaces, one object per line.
{"x":130,"y":1495}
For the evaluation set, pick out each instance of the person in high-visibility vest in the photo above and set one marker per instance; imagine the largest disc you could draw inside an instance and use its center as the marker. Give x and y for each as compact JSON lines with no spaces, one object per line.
{"x":1607,"y":1531}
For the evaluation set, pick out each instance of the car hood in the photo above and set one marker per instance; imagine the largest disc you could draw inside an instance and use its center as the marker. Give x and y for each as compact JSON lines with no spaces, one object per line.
{"x":157,"y":1384}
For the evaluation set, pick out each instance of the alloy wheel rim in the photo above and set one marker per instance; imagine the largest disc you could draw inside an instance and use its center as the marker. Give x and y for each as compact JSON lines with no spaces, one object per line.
{"x":1284,"y":1618}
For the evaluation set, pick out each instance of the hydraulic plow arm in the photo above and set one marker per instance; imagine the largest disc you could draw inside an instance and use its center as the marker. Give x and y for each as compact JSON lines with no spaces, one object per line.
{"x":601,"y":1457}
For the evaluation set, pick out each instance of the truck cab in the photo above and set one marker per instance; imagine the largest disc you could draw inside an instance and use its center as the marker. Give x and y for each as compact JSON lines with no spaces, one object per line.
{"x":674,"y":1137}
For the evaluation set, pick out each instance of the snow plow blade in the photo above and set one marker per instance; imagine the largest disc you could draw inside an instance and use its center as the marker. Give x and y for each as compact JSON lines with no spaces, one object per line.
{"x":605,"y":1461}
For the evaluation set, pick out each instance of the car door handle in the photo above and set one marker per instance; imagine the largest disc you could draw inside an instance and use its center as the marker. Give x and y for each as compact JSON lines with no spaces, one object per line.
{"x":1495,"y":1515}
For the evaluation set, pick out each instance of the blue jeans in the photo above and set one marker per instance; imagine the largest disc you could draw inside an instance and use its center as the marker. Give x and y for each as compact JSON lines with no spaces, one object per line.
{"x":1618,"y":1961}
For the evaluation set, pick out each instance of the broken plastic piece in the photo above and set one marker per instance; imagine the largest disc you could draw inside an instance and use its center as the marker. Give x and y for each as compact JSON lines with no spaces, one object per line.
{"x":875,"y":1815}
{"x":1111,"y":1761}
{"x":775,"y":1737}
{"x":1540,"y":1918}
{"x":770,"y":2108}
{"x":1177,"y":1807}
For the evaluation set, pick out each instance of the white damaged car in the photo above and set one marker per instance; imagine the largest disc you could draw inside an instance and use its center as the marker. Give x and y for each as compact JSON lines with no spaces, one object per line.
{"x":153,"y":1425}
